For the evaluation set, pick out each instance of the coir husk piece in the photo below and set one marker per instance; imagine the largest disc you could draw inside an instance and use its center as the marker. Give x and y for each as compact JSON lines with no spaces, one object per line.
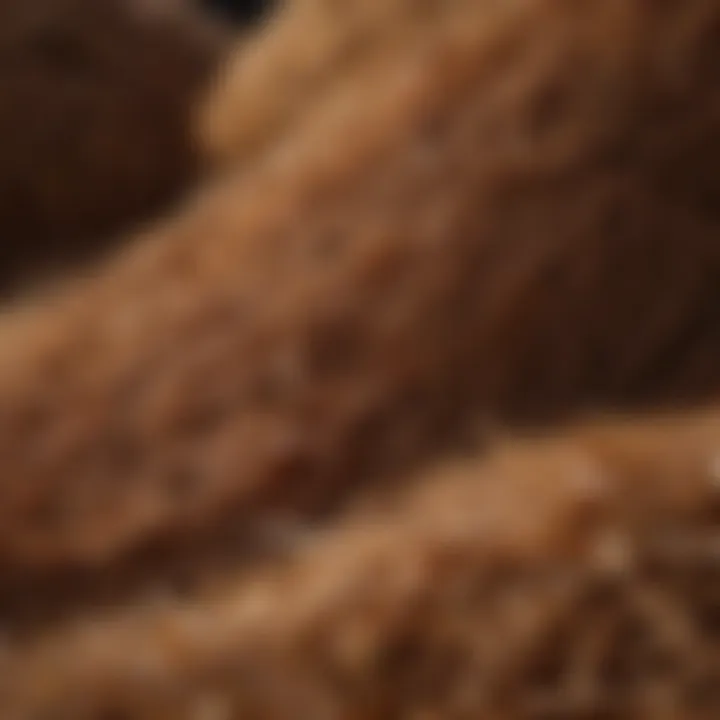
{"x":511,"y":219}
{"x":575,"y":576}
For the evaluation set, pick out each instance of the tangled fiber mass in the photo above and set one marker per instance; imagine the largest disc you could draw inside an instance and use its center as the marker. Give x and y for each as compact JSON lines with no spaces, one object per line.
{"x":324,"y":439}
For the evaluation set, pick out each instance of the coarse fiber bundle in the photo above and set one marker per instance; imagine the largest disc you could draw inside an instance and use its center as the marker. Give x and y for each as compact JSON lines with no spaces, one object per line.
{"x":232,"y":477}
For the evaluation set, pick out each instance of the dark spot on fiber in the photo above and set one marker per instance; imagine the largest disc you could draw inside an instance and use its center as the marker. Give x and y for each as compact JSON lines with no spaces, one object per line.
{"x":59,"y":51}
{"x":549,"y":107}
{"x":239,"y":11}
{"x":182,"y":482}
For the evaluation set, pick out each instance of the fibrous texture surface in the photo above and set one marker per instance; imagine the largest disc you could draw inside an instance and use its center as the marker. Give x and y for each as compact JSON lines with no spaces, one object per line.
{"x":572,"y":577}
{"x":508,"y":218}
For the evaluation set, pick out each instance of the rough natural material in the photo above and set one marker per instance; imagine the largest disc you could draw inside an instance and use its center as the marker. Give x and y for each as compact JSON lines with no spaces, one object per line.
{"x":231,"y":480}
{"x":565,"y":578}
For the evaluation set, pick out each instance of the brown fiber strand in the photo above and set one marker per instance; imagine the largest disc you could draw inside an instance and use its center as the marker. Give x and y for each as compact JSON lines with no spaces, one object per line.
{"x":575,"y":576}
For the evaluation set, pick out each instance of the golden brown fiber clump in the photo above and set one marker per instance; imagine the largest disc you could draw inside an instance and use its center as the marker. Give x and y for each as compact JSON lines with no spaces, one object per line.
{"x":507,"y":237}
{"x":512,"y":217}
{"x":311,"y":50}
{"x":573,"y":577}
